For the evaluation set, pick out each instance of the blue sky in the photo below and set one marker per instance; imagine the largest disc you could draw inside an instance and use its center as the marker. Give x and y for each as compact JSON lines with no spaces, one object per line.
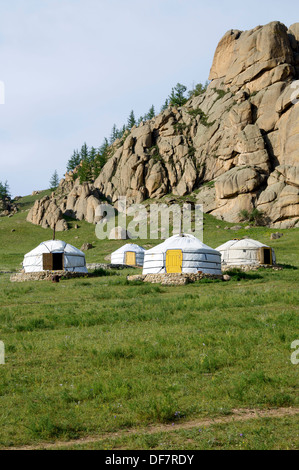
{"x":73,"y":68}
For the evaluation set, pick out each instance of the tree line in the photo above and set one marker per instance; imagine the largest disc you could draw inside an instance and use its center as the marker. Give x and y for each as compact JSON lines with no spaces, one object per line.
{"x":89,"y":162}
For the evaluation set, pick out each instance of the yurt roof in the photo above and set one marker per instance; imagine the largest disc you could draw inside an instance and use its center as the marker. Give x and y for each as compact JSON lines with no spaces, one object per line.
{"x":55,"y":246}
{"x":181,"y":242}
{"x":130,"y":247}
{"x":243,"y":244}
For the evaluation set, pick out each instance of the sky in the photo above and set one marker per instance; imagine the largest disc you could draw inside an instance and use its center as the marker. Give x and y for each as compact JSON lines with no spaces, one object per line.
{"x":73,"y":68}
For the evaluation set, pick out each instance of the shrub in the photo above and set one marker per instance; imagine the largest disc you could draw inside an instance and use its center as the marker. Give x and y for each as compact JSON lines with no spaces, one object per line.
{"x":254,"y":217}
{"x":198,"y":90}
{"x":203,"y":117}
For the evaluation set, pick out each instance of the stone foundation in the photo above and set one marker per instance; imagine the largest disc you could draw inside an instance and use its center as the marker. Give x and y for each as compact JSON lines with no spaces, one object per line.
{"x":94,"y":266}
{"x":253,"y":267}
{"x":44,"y":276}
{"x":176,"y":279}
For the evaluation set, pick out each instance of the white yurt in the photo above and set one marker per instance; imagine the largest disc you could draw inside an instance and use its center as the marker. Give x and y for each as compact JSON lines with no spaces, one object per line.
{"x":55,"y":255}
{"x":129,"y":254}
{"x":182,"y":254}
{"x":246,"y":252}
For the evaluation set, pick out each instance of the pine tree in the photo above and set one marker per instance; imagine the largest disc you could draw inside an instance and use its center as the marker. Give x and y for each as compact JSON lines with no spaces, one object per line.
{"x":131,"y":120}
{"x":151,"y":114}
{"x":4,"y":191}
{"x":101,"y":157}
{"x":85,"y":172}
{"x":177,"y":97}
{"x":114,"y":134}
{"x":54,"y":181}
{"x":92,"y":155}
{"x":84,"y":152}
{"x":165,"y":105}
{"x":73,"y":161}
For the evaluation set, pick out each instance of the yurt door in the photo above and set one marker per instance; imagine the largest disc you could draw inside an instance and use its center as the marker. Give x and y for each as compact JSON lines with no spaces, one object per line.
{"x":174,"y":261}
{"x":267,"y":256}
{"x":130,"y":258}
{"x":53,"y":262}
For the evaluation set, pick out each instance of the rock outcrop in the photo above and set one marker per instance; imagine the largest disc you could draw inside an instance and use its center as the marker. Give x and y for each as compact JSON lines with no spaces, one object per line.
{"x":46,"y":213}
{"x":236,"y":144}
{"x":8,"y":207}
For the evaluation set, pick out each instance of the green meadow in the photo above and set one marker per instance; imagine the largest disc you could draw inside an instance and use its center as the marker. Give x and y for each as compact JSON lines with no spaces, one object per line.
{"x":92,"y":356}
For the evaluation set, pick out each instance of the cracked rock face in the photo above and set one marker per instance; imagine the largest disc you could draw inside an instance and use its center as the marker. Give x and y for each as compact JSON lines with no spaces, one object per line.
{"x":241,"y":136}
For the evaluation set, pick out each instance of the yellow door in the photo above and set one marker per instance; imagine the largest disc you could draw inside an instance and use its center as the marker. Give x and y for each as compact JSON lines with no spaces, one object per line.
{"x":174,"y":261}
{"x":130,"y":258}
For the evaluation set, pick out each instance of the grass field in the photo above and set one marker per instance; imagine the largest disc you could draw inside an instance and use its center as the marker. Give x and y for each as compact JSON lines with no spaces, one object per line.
{"x":88,"y":357}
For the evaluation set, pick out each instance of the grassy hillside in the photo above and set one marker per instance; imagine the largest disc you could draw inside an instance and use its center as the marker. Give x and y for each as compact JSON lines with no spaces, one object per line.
{"x":13,"y":245}
{"x":92,"y":356}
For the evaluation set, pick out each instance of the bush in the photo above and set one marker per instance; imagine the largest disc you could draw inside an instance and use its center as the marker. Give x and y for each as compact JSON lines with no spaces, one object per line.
{"x":198,"y":90}
{"x":254,"y":217}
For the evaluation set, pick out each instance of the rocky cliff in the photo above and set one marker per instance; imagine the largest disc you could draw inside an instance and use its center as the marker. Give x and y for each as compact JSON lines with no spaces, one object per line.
{"x":236,"y":146}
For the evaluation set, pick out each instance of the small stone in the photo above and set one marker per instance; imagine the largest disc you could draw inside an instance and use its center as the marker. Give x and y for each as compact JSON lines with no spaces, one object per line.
{"x":276,"y":236}
{"x":226,"y":277}
{"x":86,"y":246}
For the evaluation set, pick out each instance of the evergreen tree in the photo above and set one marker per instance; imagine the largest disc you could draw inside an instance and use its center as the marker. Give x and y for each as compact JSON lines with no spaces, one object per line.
{"x":54,"y":181}
{"x":131,"y":120}
{"x":123,"y":130}
{"x":165,"y":105}
{"x":177,"y":97}
{"x":84,"y":152}
{"x":73,"y":161}
{"x":114,"y":134}
{"x":101,"y":157}
{"x":4,"y":191}
{"x":85,"y":172}
{"x":151,"y":114}
{"x":92,"y":155}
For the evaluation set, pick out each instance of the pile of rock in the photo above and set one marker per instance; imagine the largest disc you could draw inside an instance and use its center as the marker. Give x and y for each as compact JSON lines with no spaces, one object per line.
{"x":173,"y":279}
{"x":254,"y":267}
{"x":95,"y":266}
{"x":44,"y":276}
{"x":7,"y":207}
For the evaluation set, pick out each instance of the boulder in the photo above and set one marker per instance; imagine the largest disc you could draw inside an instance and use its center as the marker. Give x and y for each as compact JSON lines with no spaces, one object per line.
{"x":86,"y":246}
{"x":276,"y":236}
{"x":46,"y":213}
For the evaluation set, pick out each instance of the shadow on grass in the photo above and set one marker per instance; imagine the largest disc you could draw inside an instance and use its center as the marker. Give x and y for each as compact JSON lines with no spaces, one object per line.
{"x":287,"y":266}
{"x":100,"y":272}
{"x":239,"y":275}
